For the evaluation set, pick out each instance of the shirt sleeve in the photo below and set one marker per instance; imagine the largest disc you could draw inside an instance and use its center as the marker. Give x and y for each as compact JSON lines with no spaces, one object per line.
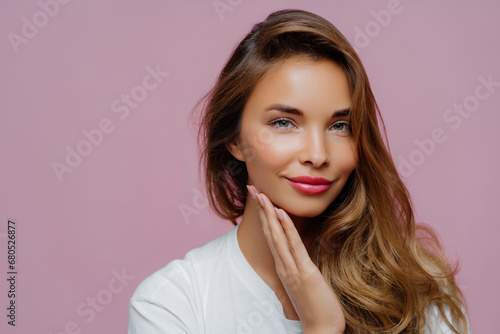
{"x":149,"y":318}
{"x":163,"y":304}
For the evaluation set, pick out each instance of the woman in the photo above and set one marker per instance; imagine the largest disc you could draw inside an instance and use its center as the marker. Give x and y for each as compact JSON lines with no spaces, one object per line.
{"x":327,"y":241}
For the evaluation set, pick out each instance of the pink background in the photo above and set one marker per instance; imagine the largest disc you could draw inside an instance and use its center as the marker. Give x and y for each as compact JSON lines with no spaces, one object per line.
{"x":120,"y":208}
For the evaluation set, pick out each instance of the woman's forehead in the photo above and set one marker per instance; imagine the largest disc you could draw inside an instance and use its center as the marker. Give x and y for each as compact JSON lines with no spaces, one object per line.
{"x":303,"y":82}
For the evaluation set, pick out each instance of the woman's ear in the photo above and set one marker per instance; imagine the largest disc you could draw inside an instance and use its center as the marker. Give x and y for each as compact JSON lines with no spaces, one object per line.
{"x":235,"y":150}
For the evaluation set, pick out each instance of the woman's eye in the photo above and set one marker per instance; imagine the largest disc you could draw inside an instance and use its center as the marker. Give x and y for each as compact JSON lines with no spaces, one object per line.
{"x":281,"y":123}
{"x":341,"y":126}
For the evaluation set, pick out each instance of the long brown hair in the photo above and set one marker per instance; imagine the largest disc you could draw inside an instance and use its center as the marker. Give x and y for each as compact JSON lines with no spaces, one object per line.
{"x":385,"y":269}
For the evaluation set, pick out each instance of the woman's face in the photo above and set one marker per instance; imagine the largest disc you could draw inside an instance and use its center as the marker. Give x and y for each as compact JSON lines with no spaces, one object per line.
{"x":295,"y":124}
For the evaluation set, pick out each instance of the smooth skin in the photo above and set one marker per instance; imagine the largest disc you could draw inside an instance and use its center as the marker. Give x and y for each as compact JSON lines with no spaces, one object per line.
{"x":277,"y":144}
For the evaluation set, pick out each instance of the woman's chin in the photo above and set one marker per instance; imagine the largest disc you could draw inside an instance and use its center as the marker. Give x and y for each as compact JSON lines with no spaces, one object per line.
{"x":303,"y":214}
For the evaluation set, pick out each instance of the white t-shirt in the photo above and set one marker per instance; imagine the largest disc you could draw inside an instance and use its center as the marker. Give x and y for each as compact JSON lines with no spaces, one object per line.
{"x":214,"y":290}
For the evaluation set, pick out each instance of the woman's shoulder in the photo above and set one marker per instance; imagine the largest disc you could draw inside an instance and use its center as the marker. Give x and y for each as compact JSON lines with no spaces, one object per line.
{"x":160,"y":281}
{"x":179,"y":274}
{"x":170,"y":299}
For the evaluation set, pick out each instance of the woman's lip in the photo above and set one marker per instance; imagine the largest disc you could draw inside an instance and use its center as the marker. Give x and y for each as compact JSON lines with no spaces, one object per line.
{"x":310,"y":189}
{"x":307,"y":179}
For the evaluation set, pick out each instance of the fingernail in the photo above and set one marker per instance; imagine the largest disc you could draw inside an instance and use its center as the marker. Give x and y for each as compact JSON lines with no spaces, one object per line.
{"x":261,"y":202}
{"x":278,"y":213}
{"x":251,"y":191}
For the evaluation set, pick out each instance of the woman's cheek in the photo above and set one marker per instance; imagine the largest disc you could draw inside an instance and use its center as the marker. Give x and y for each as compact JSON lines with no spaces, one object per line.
{"x":263,"y":137}
{"x":267,"y":144}
{"x":271,"y":156}
{"x":346,"y":159}
{"x":256,"y":140}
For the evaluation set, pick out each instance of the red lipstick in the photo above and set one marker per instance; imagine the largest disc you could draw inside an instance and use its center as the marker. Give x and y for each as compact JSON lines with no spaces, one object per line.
{"x":310,"y":184}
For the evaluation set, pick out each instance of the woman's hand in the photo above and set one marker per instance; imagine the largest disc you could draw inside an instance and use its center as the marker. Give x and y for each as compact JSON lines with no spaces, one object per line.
{"x":314,"y":301}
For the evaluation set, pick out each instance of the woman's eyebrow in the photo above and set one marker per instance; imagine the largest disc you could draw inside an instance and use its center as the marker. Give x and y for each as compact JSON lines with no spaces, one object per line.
{"x":298,"y":112}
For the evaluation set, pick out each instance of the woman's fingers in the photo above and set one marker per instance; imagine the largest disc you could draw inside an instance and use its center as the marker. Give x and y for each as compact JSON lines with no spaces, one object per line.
{"x":278,"y":236}
{"x":289,"y":252}
{"x":287,"y":233}
{"x":265,"y":227}
{"x":297,"y":247}
{"x":285,"y":242}
{"x":314,"y":301}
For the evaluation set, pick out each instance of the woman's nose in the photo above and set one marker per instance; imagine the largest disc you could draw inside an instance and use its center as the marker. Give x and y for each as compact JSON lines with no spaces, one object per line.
{"x":314,"y":150}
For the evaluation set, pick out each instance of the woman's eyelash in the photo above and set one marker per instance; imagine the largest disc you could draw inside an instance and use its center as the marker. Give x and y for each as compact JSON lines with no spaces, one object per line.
{"x":345,"y":123}
{"x":277,"y":121}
